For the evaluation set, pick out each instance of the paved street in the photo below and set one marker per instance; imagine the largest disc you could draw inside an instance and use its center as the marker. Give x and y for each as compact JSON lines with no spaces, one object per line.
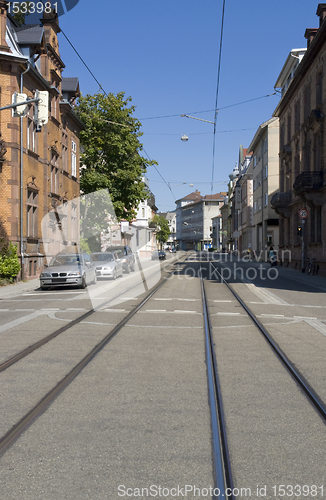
{"x":138,"y":414}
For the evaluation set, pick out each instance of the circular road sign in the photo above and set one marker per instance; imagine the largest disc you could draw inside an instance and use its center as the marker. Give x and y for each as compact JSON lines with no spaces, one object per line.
{"x":303,"y":213}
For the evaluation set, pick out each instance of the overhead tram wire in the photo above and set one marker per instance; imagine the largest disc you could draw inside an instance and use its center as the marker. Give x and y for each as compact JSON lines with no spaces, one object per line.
{"x":217,"y":92}
{"x":159,"y":173}
{"x":209,"y":110}
{"x":80,"y":57}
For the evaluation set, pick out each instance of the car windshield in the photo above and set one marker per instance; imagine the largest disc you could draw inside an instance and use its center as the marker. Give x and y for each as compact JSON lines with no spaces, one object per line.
{"x":65,"y":260}
{"x":103,"y":257}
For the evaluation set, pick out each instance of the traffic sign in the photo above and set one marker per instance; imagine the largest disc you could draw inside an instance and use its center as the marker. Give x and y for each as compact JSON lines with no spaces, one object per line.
{"x":303,"y":213}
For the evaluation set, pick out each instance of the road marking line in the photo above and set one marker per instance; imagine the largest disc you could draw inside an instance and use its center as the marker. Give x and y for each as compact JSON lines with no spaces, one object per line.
{"x":155,"y":310}
{"x":20,"y":321}
{"x":265,"y":295}
{"x":228,"y":314}
{"x":317,"y":324}
{"x":222,"y":300}
{"x":273,"y":315}
{"x":303,"y":317}
{"x":186,"y":312}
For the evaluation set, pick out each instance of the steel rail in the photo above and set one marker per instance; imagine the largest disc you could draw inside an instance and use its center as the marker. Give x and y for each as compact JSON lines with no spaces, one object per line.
{"x":25,"y":352}
{"x":315,"y":399}
{"x":222,"y":463}
{"x":41,"y":406}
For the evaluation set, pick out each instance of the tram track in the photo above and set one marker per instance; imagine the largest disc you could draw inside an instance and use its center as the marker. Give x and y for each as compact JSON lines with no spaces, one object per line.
{"x":221,"y":454}
{"x":19,"y":427}
{"x":25,"y":352}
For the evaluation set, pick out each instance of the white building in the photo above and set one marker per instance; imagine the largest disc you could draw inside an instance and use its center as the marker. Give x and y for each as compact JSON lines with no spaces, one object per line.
{"x":194,"y":215}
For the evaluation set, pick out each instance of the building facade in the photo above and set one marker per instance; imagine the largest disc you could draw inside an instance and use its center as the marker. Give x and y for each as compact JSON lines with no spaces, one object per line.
{"x":302,"y":158}
{"x":264,"y":169}
{"x":39,"y":171}
{"x":194,"y":215}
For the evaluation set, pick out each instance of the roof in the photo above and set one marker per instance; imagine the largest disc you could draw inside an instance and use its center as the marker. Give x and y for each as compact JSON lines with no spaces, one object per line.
{"x":70,"y":84}
{"x":217,"y":196}
{"x":30,"y":34}
{"x":195,"y":196}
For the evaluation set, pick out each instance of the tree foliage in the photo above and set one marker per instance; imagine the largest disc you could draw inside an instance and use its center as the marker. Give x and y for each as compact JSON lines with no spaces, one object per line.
{"x":112,"y":152}
{"x":4,"y":239}
{"x":20,"y":16}
{"x":163,"y":234}
{"x":9,"y":264}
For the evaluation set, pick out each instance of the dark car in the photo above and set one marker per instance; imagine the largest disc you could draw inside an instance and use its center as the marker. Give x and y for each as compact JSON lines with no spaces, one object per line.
{"x":158,"y":254}
{"x":125,"y":255}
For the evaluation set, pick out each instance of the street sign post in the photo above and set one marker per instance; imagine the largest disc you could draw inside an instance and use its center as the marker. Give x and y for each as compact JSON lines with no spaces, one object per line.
{"x":303,"y":214}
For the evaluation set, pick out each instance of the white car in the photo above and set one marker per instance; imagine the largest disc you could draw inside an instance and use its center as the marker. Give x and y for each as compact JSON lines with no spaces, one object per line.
{"x":107,"y":265}
{"x":68,"y":269}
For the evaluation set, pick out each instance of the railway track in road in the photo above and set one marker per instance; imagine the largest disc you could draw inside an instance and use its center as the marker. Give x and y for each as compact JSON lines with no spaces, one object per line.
{"x":161,"y":320}
{"x":25,"y":352}
{"x":222,"y":462}
{"x":28,"y":418}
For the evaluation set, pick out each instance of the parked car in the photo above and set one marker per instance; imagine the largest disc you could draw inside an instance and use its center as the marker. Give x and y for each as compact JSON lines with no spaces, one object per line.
{"x":158,"y":254}
{"x":107,"y":264}
{"x":68,"y":269}
{"x":125,"y":255}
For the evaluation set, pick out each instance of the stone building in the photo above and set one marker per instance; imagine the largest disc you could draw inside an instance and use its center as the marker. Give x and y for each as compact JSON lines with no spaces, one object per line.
{"x":40,"y":168}
{"x":302,"y":157}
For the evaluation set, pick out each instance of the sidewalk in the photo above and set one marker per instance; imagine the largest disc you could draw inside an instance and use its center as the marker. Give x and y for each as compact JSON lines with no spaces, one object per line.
{"x":286,"y":272}
{"x":20,"y":287}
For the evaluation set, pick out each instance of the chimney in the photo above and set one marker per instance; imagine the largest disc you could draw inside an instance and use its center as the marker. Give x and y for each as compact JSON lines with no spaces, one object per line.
{"x":321,"y":12}
{"x":310,"y":34}
{"x":3,"y":25}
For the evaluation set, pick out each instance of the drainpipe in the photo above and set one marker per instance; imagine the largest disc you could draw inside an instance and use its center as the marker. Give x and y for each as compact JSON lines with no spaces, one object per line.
{"x":21,"y":176}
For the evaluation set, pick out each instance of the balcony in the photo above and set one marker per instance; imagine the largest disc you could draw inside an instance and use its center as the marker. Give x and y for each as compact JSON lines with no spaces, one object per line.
{"x":280,"y":203}
{"x":308,"y":181}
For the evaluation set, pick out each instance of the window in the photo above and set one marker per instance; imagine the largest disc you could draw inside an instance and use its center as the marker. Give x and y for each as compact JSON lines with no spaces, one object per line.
{"x":143,"y":213}
{"x":266,"y":199}
{"x":317,"y":152}
{"x":297,"y":116}
{"x":297,"y":160}
{"x":265,"y":145}
{"x":307,"y":102}
{"x":255,"y":161}
{"x":54,"y":178}
{"x":73,"y":159}
{"x":319,"y":88}
{"x":32,"y":209}
{"x":265,"y":172}
{"x":289,"y":128}
{"x":307,"y":155}
{"x":64,"y":152}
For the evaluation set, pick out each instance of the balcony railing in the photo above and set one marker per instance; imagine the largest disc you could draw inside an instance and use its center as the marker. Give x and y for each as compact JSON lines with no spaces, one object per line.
{"x":309,"y":181}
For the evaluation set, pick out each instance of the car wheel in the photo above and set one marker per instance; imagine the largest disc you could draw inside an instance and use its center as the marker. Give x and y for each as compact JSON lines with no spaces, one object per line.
{"x":84,"y":284}
{"x":114,"y":274}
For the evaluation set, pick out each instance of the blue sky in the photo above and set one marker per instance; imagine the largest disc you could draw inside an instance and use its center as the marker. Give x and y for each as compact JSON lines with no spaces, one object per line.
{"x":165,"y":56}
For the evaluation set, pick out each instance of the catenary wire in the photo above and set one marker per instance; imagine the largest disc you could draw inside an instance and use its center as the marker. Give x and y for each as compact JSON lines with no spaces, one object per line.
{"x":217,"y":93}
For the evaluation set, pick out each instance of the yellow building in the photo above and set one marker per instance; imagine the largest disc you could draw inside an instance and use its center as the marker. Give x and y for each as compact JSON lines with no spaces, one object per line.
{"x":39,"y":169}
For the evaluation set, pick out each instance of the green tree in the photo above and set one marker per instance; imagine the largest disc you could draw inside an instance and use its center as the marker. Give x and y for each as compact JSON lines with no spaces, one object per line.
{"x":9,"y":264}
{"x":112,"y":152}
{"x":164,"y":231}
{"x":20,"y":16}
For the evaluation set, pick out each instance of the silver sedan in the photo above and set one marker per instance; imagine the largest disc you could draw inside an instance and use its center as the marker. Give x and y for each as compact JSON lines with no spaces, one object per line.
{"x":107,"y":265}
